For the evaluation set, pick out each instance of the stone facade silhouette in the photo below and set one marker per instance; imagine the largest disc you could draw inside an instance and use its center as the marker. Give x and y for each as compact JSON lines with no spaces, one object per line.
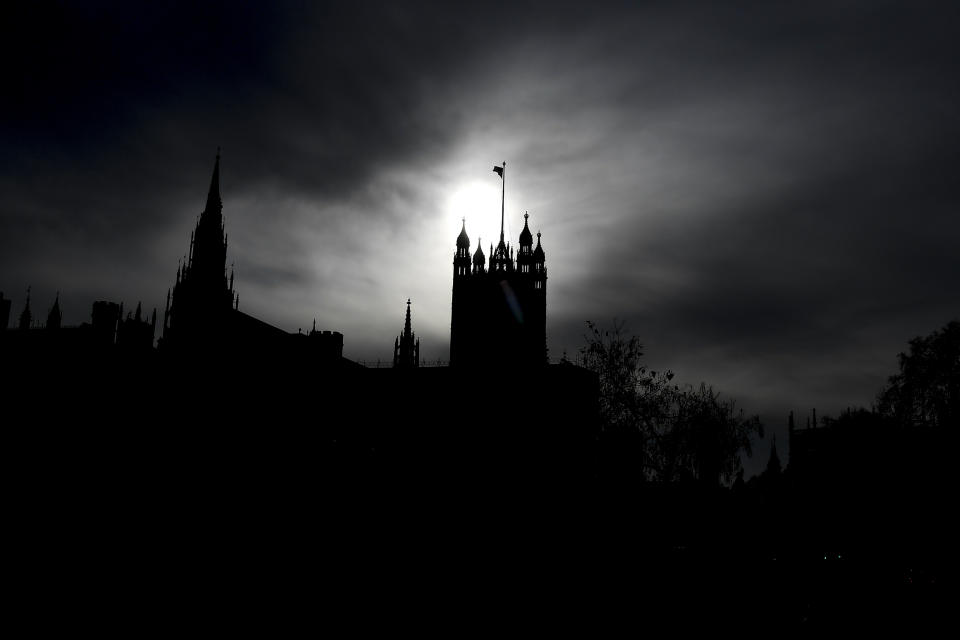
{"x":499,"y":305}
{"x":198,"y":307}
{"x":203,"y":314}
{"x":406,"y":347}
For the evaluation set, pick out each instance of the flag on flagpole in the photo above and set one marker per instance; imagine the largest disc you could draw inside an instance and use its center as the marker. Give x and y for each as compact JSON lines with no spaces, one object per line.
{"x":499,"y":171}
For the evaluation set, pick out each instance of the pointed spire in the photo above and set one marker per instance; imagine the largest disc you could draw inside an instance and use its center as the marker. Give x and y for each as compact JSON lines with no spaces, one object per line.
{"x":538,"y":255}
{"x":54,"y":317}
{"x":25,"y":315}
{"x":526,"y":238}
{"x":214,"y":203}
{"x":463,"y":240}
{"x":405,"y":353}
{"x":478,"y":257}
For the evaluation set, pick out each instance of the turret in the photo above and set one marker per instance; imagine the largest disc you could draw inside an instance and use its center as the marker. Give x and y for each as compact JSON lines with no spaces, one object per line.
{"x":538,"y":267}
{"x":479,"y":258}
{"x":406,"y":348}
{"x":525,"y":255}
{"x":461,"y":259}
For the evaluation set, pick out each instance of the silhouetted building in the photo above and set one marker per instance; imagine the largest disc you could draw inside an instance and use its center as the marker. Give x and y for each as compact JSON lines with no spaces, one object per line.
{"x":197,"y":310}
{"x":202,"y":313}
{"x":406,"y":347}
{"x":499,"y":310}
{"x":4,"y":312}
{"x":54,"y":318}
{"x":136,"y":334}
{"x":324,"y":346}
{"x":25,"y":316}
{"x":105,"y":318}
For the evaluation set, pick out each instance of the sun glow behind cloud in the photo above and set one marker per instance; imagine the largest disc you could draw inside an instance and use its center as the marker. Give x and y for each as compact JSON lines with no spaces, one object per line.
{"x":477,"y":204}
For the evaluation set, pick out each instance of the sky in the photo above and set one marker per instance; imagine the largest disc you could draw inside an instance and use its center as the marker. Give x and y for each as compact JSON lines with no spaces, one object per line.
{"x":765,"y":193}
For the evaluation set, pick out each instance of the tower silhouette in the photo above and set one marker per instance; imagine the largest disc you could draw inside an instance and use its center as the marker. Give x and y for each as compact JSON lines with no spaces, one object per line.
{"x":203,"y":294}
{"x":406,"y":348}
{"x":499,"y":312}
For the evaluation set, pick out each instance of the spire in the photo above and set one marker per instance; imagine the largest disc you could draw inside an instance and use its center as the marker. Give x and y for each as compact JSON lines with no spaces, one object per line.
{"x":406,"y":349}
{"x":478,"y":257}
{"x":463,"y":240}
{"x":214,"y":204}
{"x":526,"y":238}
{"x":538,"y":252}
{"x":25,"y":315}
{"x":54,"y":317}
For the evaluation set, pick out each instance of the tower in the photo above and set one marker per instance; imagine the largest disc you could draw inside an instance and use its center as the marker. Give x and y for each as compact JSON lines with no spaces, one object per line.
{"x":499,"y":312}
{"x":203,"y":293}
{"x":406,"y":348}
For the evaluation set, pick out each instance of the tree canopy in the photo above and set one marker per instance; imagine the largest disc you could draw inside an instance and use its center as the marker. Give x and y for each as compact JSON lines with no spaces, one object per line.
{"x":926,"y":391}
{"x":680,"y":432}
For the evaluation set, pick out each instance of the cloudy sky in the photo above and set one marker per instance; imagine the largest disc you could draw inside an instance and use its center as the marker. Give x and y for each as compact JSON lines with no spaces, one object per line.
{"x":765,"y":193}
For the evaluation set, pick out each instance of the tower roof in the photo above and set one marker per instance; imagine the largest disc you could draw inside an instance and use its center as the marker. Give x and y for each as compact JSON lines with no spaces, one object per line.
{"x":463,"y":240}
{"x":526,"y":238}
{"x":538,"y":252}
{"x":478,"y":257}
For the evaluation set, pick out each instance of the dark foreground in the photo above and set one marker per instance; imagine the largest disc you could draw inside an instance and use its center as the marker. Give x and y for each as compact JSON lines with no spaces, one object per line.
{"x":215,"y":504}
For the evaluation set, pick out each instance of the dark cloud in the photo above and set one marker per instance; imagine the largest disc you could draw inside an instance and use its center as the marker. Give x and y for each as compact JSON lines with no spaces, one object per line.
{"x":765,"y":191}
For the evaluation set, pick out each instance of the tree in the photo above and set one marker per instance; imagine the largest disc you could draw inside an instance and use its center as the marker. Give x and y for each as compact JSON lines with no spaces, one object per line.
{"x":706,"y":437}
{"x":616,"y":361}
{"x":926,"y":391}
{"x":678,"y":433}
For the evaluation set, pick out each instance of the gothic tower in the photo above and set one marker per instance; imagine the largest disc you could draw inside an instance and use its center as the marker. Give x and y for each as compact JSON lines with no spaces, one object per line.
{"x":203,"y":293}
{"x":406,"y":348}
{"x":499,"y":312}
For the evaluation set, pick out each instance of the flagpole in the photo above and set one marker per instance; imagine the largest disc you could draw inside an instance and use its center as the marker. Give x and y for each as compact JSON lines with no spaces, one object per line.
{"x":503,"y":197}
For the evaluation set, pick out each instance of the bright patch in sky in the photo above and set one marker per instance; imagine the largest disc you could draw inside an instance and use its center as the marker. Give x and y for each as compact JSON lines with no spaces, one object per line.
{"x":479,"y":203}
